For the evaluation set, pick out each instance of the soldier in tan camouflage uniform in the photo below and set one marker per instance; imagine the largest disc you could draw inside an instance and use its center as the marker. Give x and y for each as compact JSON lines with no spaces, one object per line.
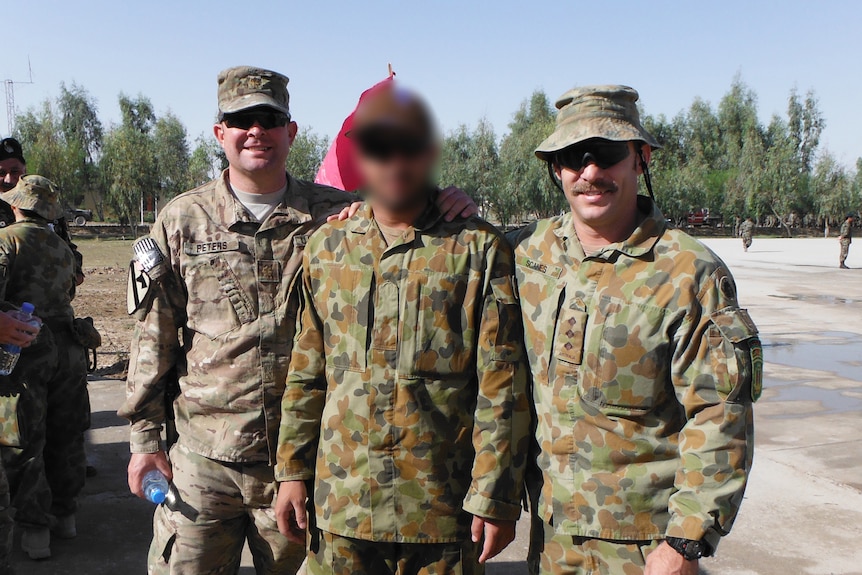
{"x":36,"y":266}
{"x":644,"y":367}
{"x":221,"y":315}
{"x":406,"y":395}
{"x":845,"y":237}
{"x":746,"y":232}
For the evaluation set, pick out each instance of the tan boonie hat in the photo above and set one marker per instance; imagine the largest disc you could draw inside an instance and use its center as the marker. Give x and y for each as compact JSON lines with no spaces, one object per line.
{"x":607,"y":112}
{"x":391,"y":107}
{"x":36,"y":194}
{"x":244,"y":87}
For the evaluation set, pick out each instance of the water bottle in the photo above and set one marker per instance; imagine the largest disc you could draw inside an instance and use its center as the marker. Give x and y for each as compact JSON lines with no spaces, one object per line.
{"x":155,"y":486}
{"x":9,"y":353}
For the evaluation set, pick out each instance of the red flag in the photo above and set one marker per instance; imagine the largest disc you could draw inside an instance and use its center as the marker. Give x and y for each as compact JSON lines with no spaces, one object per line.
{"x":338,"y":168}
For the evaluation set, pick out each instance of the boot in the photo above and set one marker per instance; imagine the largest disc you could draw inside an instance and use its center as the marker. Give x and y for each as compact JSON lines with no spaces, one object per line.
{"x":36,"y":542}
{"x":65,"y":527}
{"x":843,"y":267}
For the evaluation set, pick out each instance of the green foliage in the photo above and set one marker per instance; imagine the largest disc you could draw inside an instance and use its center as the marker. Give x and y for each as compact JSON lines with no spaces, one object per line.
{"x":171,"y":145}
{"x":471,"y":161}
{"x":306,"y":154}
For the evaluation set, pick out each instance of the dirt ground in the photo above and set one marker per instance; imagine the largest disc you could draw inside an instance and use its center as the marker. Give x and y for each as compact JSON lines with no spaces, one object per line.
{"x":803,"y":508}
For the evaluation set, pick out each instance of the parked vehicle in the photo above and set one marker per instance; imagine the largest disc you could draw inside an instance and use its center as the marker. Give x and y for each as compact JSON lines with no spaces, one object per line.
{"x":703,"y":218}
{"x":78,"y":217}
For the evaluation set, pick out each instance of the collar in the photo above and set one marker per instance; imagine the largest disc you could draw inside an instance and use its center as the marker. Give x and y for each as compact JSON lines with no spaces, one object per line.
{"x":642,"y":240}
{"x":293,"y":208}
{"x":361,"y":222}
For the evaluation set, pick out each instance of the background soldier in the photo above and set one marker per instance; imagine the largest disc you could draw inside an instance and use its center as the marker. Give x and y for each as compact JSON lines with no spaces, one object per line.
{"x":845,"y":237}
{"x":416,"y":394}
{"x":38,"y":267}
{"x":229,"y":255}
{"x":746,"y":232}
{"x":644,"y":367}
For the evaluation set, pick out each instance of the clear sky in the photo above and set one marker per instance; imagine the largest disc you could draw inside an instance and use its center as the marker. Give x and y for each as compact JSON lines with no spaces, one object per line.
{"x":469,"y":58}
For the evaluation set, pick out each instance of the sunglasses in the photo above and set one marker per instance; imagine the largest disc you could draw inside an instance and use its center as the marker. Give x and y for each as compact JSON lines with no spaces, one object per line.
{"x":602,"y":153}
{"x":384,"y":148}
{"x":266,"y":120}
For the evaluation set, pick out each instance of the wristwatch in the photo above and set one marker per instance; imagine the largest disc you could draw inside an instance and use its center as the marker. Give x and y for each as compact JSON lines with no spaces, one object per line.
{"x":689,"y":549}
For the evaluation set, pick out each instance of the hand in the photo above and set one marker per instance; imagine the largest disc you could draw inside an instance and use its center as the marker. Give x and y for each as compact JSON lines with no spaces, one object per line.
{"x":453,"y":202}
{"x":16,"y":332}
{"x":346,"y":213}
{"x":142,"y":463}
{"x":497,"y":534}
{"x":666,"y":561}
{"x":290,"y":510}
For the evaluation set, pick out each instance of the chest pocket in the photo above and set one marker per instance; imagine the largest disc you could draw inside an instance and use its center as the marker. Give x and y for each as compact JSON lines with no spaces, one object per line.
{"x":540,"y":296}
{"x":438,"y":324}
{"x":626,"y":358}
{"x":217,"y":304}
{"x":343,"y":294}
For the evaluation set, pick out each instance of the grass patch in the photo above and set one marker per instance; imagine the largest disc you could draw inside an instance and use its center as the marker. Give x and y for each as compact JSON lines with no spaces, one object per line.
{"x":105,"y":253}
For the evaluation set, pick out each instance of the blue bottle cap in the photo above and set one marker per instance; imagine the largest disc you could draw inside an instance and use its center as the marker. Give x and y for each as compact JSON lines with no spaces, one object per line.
{"x":157,"y":496}
{"x":28,"y":307}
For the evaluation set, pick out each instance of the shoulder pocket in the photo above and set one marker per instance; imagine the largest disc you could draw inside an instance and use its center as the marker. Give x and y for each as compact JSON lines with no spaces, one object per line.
{"x":507,"y":346}
{"x":736,"y":355}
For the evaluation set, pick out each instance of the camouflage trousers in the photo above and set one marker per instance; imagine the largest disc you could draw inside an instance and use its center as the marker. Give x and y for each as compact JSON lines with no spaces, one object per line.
{"x":25,"y":465}
{"x":68,"y":418}
{"x":331,"y":554}
{"x":845,"y":250}
{"x":552,"y":553}
{"x":221,"y":506}
{"x":746,"y":241}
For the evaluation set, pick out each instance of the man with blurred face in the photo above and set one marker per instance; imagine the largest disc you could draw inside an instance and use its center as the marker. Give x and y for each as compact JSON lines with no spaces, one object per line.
{"x":405,"y":410}
{"x":644,"y":367}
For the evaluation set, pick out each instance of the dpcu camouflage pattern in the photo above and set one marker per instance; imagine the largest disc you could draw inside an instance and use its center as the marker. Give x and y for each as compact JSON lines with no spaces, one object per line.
{"x":644,"y":371}
{"x":406,"y":394}
{"x":223,"y":317}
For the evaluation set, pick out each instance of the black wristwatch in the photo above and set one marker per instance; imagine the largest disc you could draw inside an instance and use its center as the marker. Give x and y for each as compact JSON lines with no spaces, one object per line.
{"x":689,"y":549}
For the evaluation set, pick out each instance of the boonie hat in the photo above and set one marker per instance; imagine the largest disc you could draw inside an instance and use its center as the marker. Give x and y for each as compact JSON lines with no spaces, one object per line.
{"x":607,"y":112}
{"x":244,"y":87}
{"x":392,"y":107}
{"x":11,"y":148}
{"x":36,"y":194}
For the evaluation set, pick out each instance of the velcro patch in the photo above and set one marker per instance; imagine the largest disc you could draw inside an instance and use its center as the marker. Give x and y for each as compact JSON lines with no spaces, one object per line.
{"x":201,"y":248}
{"x":756,"y":368}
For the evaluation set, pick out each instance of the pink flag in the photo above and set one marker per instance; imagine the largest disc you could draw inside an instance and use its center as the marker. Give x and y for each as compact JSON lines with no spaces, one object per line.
{"x":338,"y":168}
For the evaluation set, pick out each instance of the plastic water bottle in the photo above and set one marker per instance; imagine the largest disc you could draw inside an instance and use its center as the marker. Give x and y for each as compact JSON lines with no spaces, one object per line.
{"x":155,"y":486}
{"x":9,"y":353}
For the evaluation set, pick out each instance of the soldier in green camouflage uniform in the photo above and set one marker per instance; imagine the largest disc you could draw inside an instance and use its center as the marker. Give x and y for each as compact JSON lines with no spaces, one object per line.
{"x":36,"y":266}
{"x":746,"y":232}
{"x":644,"y":367}
{"x":845,"y":237}
{"x":12,"y":167}
{"x":406,"y":395}
{"x":18,"y":333}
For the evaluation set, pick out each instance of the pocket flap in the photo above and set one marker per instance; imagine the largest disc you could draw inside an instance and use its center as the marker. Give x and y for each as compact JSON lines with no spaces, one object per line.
{"x":734,"y":324}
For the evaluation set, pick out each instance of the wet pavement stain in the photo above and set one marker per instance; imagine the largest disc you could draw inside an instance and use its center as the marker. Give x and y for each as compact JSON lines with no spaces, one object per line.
{"x":838,"y":353}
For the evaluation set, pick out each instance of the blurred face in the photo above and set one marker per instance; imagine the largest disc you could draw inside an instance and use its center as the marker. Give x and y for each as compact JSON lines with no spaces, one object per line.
{"x":600,"y":180}
{"x":256,"y":141}
{"x":396,"y":167}
{"x":11,"y":170}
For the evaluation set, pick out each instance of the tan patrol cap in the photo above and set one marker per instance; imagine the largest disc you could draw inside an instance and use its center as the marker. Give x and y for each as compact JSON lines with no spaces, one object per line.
{"x":607,"y":112}
{"x":244,"y":87}
{"x":36,"y":194}
{"x":391,"y":107}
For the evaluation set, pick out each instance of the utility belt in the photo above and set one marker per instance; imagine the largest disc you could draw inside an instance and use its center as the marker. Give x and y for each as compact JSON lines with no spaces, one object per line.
{"x":83,"y":332}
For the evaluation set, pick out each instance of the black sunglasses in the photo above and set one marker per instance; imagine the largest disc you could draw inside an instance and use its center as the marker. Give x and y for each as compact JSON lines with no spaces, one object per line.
{"x":266,"y":120}
{"x":384,"y":148}
{"x":603,"y":153}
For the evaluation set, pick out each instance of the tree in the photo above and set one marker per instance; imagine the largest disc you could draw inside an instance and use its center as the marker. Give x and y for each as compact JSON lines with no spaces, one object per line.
{"x":171,"y":146}
{"x":82,"y":134}
{"x":306,"y":154}
{"x":470,"y":160}
{"x":203,"y":161}
{"x":805,"y":123}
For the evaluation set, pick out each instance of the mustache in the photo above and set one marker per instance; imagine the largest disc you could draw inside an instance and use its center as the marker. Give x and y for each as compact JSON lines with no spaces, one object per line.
{"x":602,"y":186}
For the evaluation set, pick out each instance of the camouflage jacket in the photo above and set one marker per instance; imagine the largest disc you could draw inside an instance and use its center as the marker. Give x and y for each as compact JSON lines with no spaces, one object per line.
{"x":222,"y":319}
{"x":746,"y":229}
{"x":644,"y":371}
{"x":7,"y":218}
{"x":37,"y":266}
{"x":846,"y":232}
{"x":406,"y":396}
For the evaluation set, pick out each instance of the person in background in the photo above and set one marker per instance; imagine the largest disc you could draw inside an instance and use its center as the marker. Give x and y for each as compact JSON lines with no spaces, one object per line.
{"x":746,"y":232}
{"x":845,"y":237}
{"x":37,"y":266}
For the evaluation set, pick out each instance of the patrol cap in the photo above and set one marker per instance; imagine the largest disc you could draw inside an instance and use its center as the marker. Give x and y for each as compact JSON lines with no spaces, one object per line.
{"x":607,"y":112}
{"x":36,"y":194}
{"x":244,"y":87}
{"x":11,"y":148}
{"x":391,"y":107}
